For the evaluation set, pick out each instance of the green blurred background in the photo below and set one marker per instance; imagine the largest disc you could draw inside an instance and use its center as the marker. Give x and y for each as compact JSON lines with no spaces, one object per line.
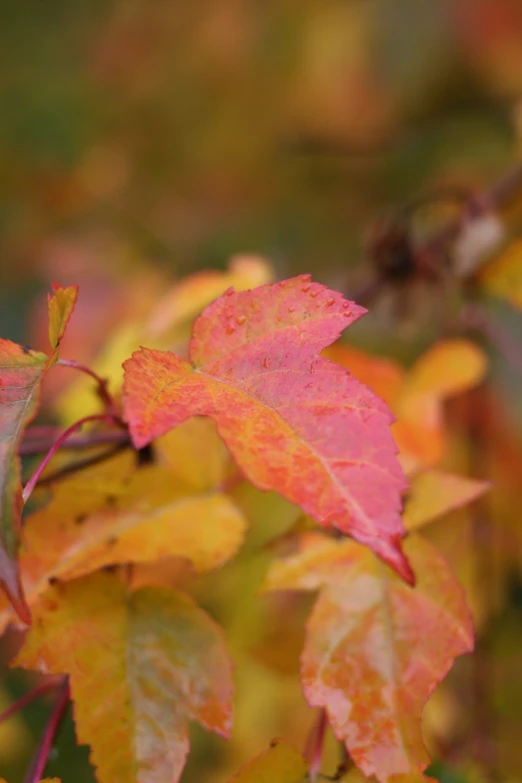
{"x":146,"y":138}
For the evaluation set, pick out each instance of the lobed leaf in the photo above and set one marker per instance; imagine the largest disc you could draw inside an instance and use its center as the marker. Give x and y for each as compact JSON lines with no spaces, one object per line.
{"x":281,"y":763}
{"x":369,"y":657}
{"x":294,"y":422}
{"x":141,"y":664}
{"x":167,"y":326}
{"x":113,"y":514}
{"x":21,"y":373}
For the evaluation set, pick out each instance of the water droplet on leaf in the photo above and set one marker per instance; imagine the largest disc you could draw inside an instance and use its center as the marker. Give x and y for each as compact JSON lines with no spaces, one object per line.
{"x":240,"y":319}
{"x":313,"y":294}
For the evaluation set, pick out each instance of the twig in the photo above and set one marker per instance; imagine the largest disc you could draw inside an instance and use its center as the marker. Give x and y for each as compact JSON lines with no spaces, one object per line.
{"x":74,"y":443}
{"x":498,"y":195}
{"x":103,"y":387}
{"x":27,"y":698}
{"x":107,"y":417}
{"x":82,"y":464}
{"x":40,"y":759}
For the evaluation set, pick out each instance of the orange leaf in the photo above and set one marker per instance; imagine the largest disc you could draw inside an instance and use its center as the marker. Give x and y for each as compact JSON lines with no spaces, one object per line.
{"x":447,"y":369}
{"x":114,"y":513}
{"x":434,"y":493}
{"x":141,"y":664}
{"x":279,"y":764}
{"x":369,"y":657}
{"x":21,"y":373}
{"x":295,"y":422}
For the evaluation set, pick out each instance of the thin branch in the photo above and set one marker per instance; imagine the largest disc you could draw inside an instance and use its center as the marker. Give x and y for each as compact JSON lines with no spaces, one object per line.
{"x":74,"y":443}
{"x":109,"y":418}
{"x":499,"y":195}
{"x":82,"y":464}
{"x":103,"y":387}
{"x":39,"y":763}
{"x":27,"y":698}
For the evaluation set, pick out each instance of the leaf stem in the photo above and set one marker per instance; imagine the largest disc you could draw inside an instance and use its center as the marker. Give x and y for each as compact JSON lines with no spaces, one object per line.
{"x":107,"y":417}
{"x":103,"y":384}
{"x":313,"y":751}
{"x":27,"y":698}
{"x":39,"y":445}
{"x":39,"y":762}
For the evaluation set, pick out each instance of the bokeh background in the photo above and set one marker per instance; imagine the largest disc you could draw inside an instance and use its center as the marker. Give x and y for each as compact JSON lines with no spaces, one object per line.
{"x":144,"y":140}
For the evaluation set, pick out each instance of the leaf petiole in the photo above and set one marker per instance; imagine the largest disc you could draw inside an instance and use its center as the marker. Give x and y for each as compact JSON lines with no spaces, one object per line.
{"x":107,"y":417}
{"x":39,"y":762}
{"x":103,"y":384}
{"x":27,"y":698}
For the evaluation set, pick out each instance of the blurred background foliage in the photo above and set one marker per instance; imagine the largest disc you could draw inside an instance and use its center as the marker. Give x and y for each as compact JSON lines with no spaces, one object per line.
{"x":142,"y":140}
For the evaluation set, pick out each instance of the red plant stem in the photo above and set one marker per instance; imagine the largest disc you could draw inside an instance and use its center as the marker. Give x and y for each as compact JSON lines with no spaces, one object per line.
{"x":313,"y":751}
{"x":39,"y":762}
{"x":109,"y":418}
{"x":27,"y":698}
{"x":74,"y":443}
{"x":103,"y":388}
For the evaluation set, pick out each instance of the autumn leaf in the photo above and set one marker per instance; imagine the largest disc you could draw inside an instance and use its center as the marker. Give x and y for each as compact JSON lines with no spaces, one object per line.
{"x":45,"y":780}
{"x":141,"y":664}
{"x":294,"y":422}
{"x":369,"y":657}
{"x":416,"y":397}
{"x":279,"y":764}
{"x":434,"y":493}
{"x":167,"y":326}
{"x":114,"y":513}
{"x":21,"y":373}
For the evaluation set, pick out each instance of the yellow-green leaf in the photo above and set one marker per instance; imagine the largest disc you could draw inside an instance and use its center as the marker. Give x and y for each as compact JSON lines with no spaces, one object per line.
{"x":141,"y":665}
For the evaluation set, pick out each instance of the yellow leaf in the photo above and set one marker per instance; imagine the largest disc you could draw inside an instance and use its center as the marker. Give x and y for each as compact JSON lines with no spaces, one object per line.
{"x":116,"y":513}
{"x":503,"y":276}
{"x":141,"y":664}
{"x":434,"y":493}
{"x":449,"y":368}
{"x":279,"y":764}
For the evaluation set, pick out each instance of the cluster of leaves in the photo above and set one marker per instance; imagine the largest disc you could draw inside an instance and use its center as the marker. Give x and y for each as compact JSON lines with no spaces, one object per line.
{"x":103,"y":582}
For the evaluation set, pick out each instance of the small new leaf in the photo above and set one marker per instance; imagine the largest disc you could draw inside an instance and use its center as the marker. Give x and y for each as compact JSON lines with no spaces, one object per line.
{"x":141,"y":664}
{"x":294,"y":422}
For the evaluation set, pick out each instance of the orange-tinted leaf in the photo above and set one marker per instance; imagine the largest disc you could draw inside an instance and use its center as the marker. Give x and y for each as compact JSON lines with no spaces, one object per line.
{"x":295,"y":422}
{"x":281,"y":763}
{"x":369,"y":656}
{"x":113,"y":513}
{"x":434,"y":493}
{"x":141,"y":665}
{"x":449,"y":368}
{"x":384,"y":376}
{"x":21,"y":373}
